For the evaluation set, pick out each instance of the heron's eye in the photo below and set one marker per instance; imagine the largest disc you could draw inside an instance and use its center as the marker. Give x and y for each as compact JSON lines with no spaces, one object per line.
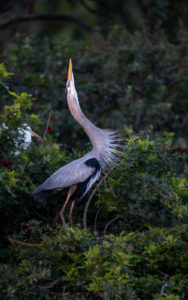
{"x":68,"y":84}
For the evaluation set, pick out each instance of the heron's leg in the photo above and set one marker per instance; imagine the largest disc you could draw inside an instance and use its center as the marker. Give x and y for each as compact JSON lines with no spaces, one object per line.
{"x":70,"y":213}
{"x":61,"y":213}
{"x":70,"y":192}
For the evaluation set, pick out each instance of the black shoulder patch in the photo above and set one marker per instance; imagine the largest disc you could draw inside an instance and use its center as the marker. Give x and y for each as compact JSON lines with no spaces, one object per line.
{"x":93,"y":162}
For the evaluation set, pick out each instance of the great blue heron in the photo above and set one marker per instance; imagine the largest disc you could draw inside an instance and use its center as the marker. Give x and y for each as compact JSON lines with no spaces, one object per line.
{"x":79,"y":175}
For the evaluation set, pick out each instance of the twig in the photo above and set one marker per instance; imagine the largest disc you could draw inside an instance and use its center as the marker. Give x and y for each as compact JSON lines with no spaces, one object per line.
{"x":92,"y":195}
{"x":47,"y":124}
{"x":46,"y":17}
{"x":51,"y":285}
{"x":181,"y":65}
{"x":109,"y":223}
{"x":44,"y":113}
{"x":4,"y":86}
{"x":96,"y":217}
{"x":25,"y":169}
{"x":17,"y":242}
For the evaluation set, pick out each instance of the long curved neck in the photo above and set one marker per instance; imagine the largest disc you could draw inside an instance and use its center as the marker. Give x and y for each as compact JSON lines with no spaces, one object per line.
{"x":103,"y":141}
{"x":91,"y":130}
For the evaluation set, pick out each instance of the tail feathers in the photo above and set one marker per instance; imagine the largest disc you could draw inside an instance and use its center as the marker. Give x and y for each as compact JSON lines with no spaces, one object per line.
{"x":44,"y":187}
{"x":38,"y":190}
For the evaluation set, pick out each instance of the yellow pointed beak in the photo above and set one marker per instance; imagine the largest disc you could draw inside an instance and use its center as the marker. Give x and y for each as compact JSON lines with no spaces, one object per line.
{"x":70,"y":70}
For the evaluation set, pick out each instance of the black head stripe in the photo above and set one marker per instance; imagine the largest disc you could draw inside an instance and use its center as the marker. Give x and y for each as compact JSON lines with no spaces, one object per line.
{"x":93,"y":162}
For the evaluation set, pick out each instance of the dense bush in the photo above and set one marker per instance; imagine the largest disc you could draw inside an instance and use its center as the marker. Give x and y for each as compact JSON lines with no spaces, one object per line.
{"x":73,"y":264}
{"x":142,"y":204}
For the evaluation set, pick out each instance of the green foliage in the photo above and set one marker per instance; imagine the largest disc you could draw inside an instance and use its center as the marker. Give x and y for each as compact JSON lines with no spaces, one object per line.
{"x":4,"y":75}
{"x":3,"y":72}
{"x":21,"y":162}
{"x":144,"y":189}
{"x":143,"y":84}
{"x":143,"y":203}
{"x":69,"y":262}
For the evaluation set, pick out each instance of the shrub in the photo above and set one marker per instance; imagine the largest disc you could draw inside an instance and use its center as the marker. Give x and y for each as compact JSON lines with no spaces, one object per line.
{"x":142,"y":204}
{"x":71,"y":263}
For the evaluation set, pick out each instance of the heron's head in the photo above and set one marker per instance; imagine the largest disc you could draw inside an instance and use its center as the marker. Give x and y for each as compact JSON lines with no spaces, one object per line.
{"x":70,"y":86}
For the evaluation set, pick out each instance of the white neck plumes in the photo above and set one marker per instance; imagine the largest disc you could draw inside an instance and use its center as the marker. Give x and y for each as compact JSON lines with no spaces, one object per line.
{"x":104,"y":141}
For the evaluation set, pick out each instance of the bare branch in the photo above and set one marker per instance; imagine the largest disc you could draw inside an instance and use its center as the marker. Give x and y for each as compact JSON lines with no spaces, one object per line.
{"x":96,"y":217}
{"x":51,"y":285}
{"x":92,"y":195}
{"x":17,"y":242}
{"x":46,"y":17}
{"x":47,"y":124}
{"x":109,"y":223}
{"x":182,"y":65}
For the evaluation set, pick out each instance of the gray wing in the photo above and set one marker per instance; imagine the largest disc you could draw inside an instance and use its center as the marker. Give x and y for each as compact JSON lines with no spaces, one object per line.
{"x":70,"y":174}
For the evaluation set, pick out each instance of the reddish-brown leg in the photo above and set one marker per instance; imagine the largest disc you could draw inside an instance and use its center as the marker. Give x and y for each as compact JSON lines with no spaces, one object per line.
{"x":70,"y":192}
{"x":61,"y":213}
{"x":70,"y":212}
